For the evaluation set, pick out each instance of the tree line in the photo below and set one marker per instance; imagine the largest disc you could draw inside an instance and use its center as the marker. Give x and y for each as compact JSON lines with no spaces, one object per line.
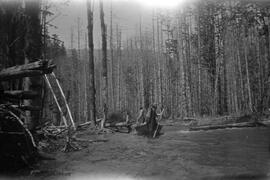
{"x":208,"y":58}
{"x":204,"y":59}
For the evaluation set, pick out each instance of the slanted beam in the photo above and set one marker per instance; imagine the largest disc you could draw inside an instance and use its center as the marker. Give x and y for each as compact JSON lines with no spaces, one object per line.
{"x":56,"y":100}
{"x":65,"y":100}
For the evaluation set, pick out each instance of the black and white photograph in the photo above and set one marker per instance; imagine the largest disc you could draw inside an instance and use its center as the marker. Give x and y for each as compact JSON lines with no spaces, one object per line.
{"x":134,"y":89}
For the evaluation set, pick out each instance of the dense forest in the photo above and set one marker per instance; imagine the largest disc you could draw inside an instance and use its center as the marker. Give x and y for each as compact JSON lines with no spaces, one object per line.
{"x":191,"y":82}
{"x":206,"y":58}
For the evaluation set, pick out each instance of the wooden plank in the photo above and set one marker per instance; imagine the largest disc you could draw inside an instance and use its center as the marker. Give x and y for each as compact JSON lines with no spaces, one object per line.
{"x":27,"y":70}
{"x":27,"y":108}
{"x":9,"y":75}
{"x":12,"y":133}
{"x":38,"y":65}
{"x":20,"y":94}
{"x":90,"y":140}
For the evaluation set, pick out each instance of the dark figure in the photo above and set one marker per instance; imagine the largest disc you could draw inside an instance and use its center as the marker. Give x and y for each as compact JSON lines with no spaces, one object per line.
{"x":141,"y":118}
{"x":152,"y":121}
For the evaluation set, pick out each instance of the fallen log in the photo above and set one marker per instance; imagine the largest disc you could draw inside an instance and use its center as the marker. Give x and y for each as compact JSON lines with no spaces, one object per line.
{"x":37,"y":65}
{"x":213,"y":118}
{"x":118,"y":126}
{"x":27,"y":70}
{"x":89,"y":140}
{"x":84,"y":124}
{"x":18,"y":94}
{"x":224,"y":126}
{"x":5,"y":76}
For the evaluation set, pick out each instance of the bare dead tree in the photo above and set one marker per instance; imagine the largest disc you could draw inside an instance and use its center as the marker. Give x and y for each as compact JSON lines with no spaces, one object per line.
{"x":104,"y":63}
{"x":91,"y":95}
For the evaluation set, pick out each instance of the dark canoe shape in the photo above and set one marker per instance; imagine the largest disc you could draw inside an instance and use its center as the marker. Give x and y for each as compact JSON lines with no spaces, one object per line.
{"x":143,"y":130}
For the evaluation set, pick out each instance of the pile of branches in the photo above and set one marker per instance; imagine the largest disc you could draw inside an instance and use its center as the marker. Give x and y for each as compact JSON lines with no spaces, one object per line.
{"x":65,"y":138}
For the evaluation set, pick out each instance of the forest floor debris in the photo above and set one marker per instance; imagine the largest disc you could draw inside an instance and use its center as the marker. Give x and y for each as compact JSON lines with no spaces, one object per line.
{"x":192,"y":155}
{"x":76,"y":140}
{"x":92,"y":137}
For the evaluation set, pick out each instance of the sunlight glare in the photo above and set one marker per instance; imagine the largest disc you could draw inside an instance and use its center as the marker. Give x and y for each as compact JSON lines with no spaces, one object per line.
{"x":146,"y":3}
{"x":157,"y":3}
{"x":160,"y":3}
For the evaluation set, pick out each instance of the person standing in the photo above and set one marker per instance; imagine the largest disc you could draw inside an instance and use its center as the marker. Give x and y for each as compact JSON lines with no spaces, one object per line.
{"x":141,"y":117}
{"x":152,"y":121}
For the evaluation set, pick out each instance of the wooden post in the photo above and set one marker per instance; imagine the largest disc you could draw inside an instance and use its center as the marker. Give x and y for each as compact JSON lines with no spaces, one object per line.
{"x":32,"y":50}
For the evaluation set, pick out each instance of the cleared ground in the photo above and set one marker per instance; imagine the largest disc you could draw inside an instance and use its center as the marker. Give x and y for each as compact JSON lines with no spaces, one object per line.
{"x":177,"y":154}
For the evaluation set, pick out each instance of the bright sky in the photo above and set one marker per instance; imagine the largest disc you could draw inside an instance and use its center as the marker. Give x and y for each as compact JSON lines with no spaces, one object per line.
{"x":126,"y":13}
{"x":148,"y":3}
{"x":158,"y":3}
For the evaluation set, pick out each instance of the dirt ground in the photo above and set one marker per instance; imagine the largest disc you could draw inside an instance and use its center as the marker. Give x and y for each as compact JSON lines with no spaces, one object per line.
{"x":177,"y":154}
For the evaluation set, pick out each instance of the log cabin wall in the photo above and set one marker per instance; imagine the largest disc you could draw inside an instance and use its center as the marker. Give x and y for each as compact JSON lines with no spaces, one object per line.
{"x":20,"y":43}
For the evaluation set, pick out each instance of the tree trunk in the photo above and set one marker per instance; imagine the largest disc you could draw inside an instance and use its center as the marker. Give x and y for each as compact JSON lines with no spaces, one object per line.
{"x":141,"y":67}
{"x":91,"y":86}
{"x":247,"y":76}
{"x":111,"y":75}
{"x":104,"y":63}
{"x":158,"y":63}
